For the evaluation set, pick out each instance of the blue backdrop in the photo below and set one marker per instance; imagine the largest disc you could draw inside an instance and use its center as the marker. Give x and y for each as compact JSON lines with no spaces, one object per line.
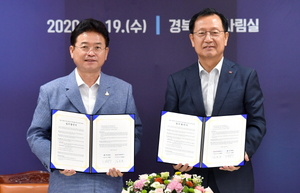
{"x":149,"y":41}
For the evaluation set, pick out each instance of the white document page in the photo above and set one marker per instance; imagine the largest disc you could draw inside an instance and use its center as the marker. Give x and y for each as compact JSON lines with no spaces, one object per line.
{"x":224,"y":143}
{"x":70,"y":141}
{"x":113,"y":143}
{"x":180,"y":139}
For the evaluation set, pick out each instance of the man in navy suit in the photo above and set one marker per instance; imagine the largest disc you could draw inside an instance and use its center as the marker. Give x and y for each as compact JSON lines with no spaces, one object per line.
{"x":215,"y":86}
{"x":86,"y":90}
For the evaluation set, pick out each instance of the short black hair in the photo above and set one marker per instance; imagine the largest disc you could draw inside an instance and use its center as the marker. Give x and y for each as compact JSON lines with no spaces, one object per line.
{"x":89,"y":25}
{"x":208,"y":12}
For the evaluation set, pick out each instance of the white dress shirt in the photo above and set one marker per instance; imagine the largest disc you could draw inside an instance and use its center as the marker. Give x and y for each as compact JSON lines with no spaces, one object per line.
{"x":209,"y":83}
{"x":88,"y":94}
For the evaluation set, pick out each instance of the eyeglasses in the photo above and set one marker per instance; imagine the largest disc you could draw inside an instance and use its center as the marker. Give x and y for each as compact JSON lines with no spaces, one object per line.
{"x":95,"y":49}
{"x":213,"y":33}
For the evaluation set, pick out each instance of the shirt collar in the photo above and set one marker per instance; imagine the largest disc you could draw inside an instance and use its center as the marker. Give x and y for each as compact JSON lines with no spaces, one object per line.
{"x":80,"y":82}
{"x":218,"y":66}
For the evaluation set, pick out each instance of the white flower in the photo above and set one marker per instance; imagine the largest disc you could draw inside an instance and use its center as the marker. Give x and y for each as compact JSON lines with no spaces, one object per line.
{"x":124,"y":191}
{"x":177,"y":178}
{"x":153,"y":174}
{"x":208,"y":190}
{"x":167,"y":191}
{"x":197,"y":179}
{"x":164,"y":175}
{"x":187,"y":176}
{"x":157,"y":185}
{"x":144,"y":177}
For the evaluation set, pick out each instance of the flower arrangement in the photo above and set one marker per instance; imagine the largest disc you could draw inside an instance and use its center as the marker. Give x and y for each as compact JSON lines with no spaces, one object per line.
{"x":164,"y":183}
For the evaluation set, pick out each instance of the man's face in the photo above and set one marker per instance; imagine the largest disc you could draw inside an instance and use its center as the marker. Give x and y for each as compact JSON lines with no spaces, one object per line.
{"x":209,"y":45}
{"x":89,"y":52}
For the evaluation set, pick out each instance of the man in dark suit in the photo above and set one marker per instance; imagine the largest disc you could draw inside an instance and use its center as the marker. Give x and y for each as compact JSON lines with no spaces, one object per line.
{"x":85,"y":90}
{"x":215,"y":86}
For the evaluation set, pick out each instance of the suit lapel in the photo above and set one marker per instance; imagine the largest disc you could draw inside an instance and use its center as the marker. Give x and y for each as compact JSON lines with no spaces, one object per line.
{"x":226,"y":77}
{"x":73,"y":93}
{"x":194,"y":84}
{"x":104,"y":92}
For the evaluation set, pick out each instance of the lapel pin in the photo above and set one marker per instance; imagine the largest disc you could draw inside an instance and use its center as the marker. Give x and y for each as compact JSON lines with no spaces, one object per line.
{"x":230,"y":72}
{"x":106,"y":93}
